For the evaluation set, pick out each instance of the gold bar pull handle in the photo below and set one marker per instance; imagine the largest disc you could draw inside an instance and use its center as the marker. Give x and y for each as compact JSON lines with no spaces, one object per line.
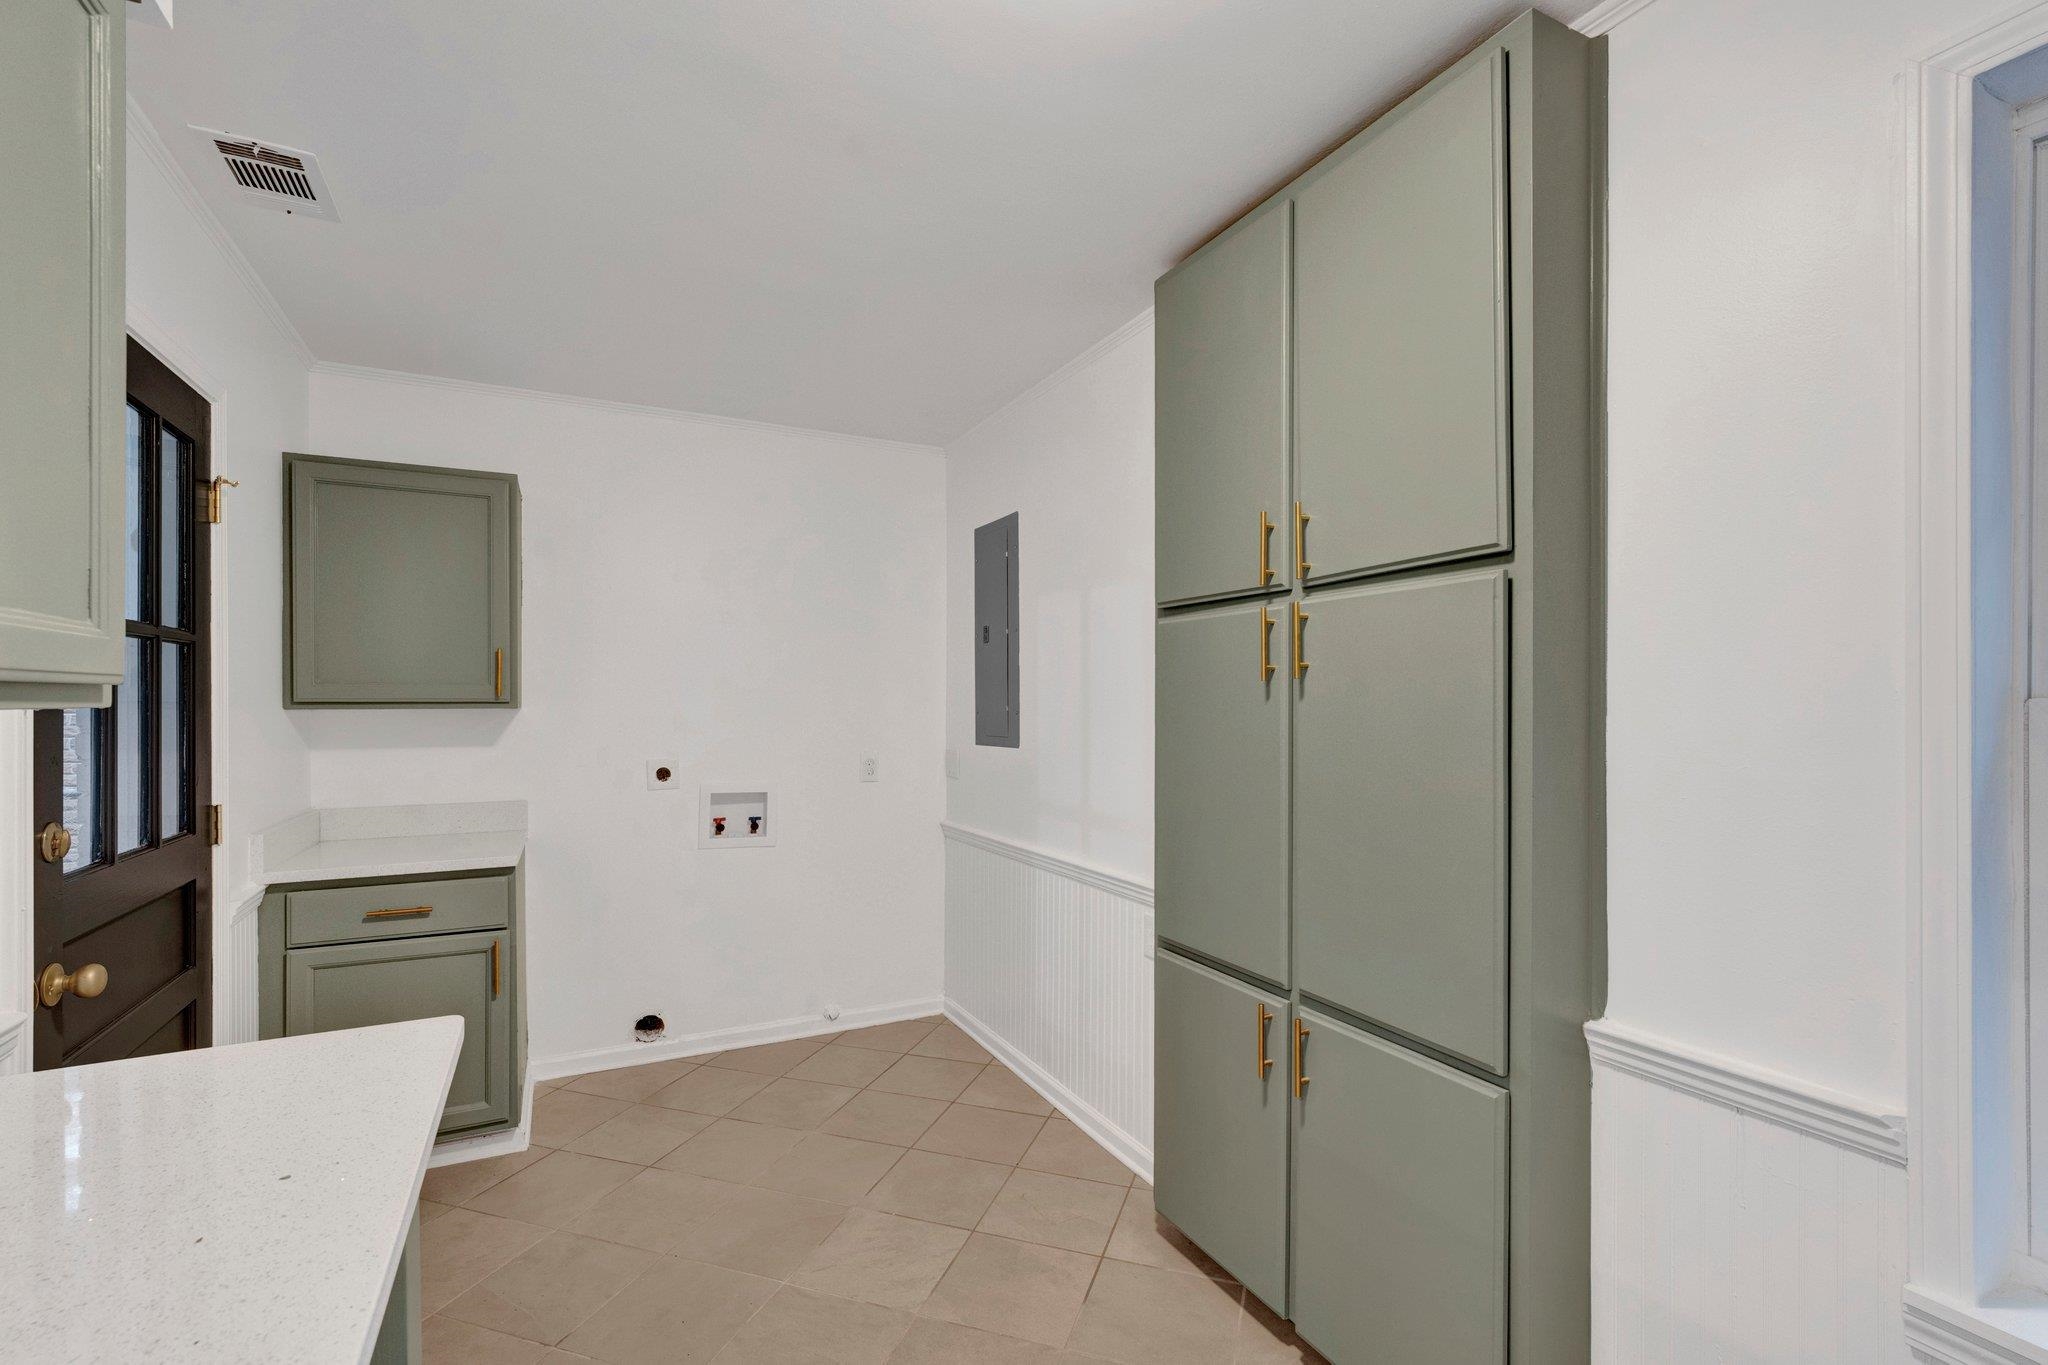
{"x":1265,"y":548}
{"x":494,"y":969}
{"x":1265,"y":644}
{"x":399,"y":912}
{"x":1265,"y":1063}
{"x":498,"y":673}
{"x":1300,"y":544}
{"x":1300,"y":620}
{"x":1300,"y":1076}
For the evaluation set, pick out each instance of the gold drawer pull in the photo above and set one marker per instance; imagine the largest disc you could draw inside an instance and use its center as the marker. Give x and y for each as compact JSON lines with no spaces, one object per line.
{"x":498,"y":672}
{"x":1265,"y":548}
{"x":1265,"y":645}
{"x":399,"y":913}
{"x":1265,"y":1063}
{"x":1300,"y":620}
{"x":1300,"y":544}
{"x":1300,"y":1077}
{"x":494,"y":969}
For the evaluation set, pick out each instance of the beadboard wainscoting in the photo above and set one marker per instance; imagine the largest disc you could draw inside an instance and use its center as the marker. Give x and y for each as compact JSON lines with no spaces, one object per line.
{"x":234,"y":1000}
{"x":1739,"y":1214}
{"x":1049,"y":966}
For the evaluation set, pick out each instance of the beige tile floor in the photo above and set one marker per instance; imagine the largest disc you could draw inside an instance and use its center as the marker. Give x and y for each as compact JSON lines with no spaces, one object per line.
{"x":889,"y":1194}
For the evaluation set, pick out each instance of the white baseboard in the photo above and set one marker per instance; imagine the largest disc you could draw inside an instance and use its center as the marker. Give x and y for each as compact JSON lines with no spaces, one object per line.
{"x":719,"y":1040}
{"x":1086,"y":1117}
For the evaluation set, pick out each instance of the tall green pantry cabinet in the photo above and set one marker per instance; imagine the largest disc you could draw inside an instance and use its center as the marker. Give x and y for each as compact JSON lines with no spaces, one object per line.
{"x":1379,"y":896}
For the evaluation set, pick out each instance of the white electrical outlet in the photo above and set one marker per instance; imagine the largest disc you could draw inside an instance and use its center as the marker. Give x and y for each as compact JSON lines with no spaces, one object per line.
{"x":870,"y":768}
{"x":663,"y":775}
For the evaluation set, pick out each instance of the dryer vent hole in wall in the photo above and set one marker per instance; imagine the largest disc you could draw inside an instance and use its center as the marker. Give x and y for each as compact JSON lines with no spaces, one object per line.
{"x":649,"y":1028}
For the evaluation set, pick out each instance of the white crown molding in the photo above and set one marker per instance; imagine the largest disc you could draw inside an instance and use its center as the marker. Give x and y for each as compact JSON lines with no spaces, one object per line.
{"x":1603,"y":17}
{"x":433,"y":381}
{"x":1942,"y":1333}
{"x":144,"y":137}
{"x":1051,"y":862}
{"x":1814,"y":1110}
{"x":1061,"y":375}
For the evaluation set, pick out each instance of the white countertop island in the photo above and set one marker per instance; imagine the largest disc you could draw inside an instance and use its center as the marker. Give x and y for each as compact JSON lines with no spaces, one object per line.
{"x":244,"y":1203}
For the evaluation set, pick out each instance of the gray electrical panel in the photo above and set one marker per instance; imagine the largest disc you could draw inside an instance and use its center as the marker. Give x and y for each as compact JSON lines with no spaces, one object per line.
{"x":996,"y":702}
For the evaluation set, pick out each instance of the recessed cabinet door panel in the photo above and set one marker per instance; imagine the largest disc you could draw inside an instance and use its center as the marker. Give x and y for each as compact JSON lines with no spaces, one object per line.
{"x":62,"y":353}
{"x":1221,"y":1117}
{"x":1400,"y":1205}
{"x":1400,"y":890}
{"x":356,"y":985}
{"x":1220,"y":869}
{"x":1401,"y":418}
{"x":403,"y":585}
{"x":1221,"y":389}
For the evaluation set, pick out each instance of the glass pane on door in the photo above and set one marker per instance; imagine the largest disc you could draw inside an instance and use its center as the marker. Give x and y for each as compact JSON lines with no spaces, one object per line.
{"x":173,"y":525}
{"x":79,"y":772}
{"x":132,"y":714}
{"x":175,"y":739}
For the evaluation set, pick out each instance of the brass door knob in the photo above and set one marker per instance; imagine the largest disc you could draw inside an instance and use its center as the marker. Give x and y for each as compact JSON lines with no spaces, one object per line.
{"x":85,"y":983}
{"x":54,"y":843}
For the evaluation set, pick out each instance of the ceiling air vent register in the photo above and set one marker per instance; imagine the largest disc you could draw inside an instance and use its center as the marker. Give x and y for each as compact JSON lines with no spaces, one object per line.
{"x":284,"y":179}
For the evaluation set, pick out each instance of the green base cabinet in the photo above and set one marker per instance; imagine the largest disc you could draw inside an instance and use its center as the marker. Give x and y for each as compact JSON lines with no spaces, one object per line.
{"x":1400,"y":1230}
{"x":1220,"y":1109}
{"x":1379,"y":822}
{"x":377,"y":952}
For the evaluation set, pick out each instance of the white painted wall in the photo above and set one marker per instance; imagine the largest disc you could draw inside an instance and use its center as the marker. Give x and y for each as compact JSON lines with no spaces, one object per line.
{"x":756,"y":605}
{"x":1073,"y":458}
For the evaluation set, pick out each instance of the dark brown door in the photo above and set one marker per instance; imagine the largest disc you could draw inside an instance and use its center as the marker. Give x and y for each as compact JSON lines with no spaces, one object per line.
{"x":132,"y":894}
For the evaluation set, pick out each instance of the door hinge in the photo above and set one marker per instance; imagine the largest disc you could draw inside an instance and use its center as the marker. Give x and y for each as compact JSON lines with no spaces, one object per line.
{"x":216,"y":825}
{"x":213,"y":512}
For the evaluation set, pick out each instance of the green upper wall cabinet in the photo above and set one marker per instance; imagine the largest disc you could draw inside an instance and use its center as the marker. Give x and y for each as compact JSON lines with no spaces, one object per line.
{"x":1223,"y":516}
{"x":402,"y":585}
{"x":1220,"y":869}
{"x":1400,"y":318}
{"x":62,"y":351}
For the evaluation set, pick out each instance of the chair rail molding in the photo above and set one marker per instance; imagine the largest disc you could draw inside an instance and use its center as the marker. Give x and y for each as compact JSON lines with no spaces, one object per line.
{"x":1814,"y":1110}
{"x":1121,"y":887}
{"x":1959,"y":1085}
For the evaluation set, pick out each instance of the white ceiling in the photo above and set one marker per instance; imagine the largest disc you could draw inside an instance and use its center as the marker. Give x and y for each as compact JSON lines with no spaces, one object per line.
{"x":882,"y":217}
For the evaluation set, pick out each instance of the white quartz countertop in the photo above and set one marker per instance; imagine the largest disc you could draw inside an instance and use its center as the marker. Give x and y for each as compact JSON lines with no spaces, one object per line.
{"x":391,"y":841}
{"x":243,"y":1203}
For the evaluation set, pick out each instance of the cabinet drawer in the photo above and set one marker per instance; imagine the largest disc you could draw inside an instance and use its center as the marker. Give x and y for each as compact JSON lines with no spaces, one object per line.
{"x":340,"y":914}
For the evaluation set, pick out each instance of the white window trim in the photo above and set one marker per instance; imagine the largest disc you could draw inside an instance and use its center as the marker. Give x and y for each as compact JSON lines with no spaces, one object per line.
{"x":1967,"y":1297}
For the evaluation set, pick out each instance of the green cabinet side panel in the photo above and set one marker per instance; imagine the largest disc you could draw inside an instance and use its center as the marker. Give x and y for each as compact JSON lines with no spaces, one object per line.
{"x":1400,"y":382}
{"x":1400,"y":1205}
{"x":403,"y":585}
{"x":355,"y":985}
{"x":1221,"y":406}
{"x":63,"y":358}
{"x":1220,"y":1162}
{"x":1400,"y":860}
{"x":1220,"y":866}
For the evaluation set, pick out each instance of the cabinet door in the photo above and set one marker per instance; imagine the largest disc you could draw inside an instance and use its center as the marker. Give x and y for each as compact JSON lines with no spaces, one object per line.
{"x":1400,"y":335}
{"x":355,"y":985}
{"x":1221,"y":389}
{"x":1221,"y":1119}
{"x":1220,"y":870}
{"x":403,"y":585}
{"x":62,"y":352}
{"x":1400,"y":868}
{"x":1400,"y":1205}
